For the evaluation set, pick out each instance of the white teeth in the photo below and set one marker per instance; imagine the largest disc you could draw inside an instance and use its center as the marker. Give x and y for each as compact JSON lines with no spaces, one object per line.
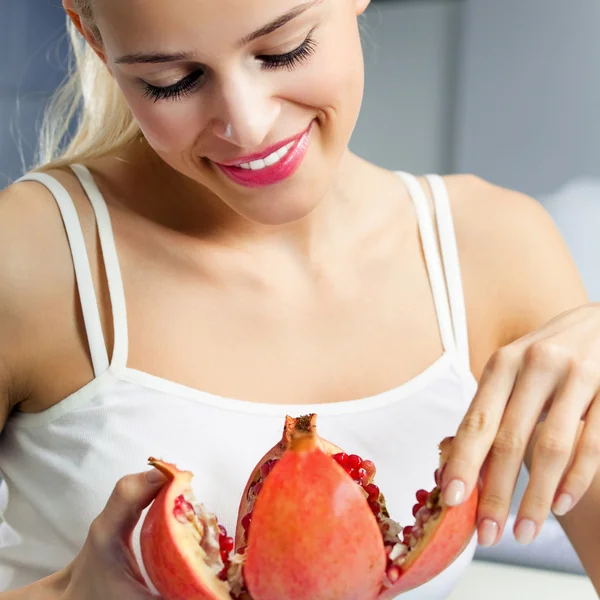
{"x":272,"y":159}
{"x":257,"y":165}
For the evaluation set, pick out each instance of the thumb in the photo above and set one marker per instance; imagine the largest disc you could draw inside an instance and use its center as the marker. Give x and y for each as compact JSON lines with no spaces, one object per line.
{"x":131,"y":495}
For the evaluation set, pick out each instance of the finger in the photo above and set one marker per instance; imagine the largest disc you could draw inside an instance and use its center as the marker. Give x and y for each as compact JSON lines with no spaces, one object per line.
{"x":551,"y":454}
{"x":508,"y":449}
{"x":584,"y":466}
{"x":131,"y":495}
{"x":478,"y":429}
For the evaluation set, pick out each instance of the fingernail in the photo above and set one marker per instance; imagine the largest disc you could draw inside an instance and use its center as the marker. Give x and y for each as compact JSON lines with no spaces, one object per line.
{"x":562,"y":505}
{"x":488,"y":533}
{"x":525,"y":531}
{"x":155,"y":476}
{"x":454,"y":493}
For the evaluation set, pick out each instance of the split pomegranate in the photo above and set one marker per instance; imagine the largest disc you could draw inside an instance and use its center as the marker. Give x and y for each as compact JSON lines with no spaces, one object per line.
{"x":413,"y":554}
{"x":313,"y":537}
{"x":185,"y":551}
{"x":312,"y":524}
{"x":292,"y":426}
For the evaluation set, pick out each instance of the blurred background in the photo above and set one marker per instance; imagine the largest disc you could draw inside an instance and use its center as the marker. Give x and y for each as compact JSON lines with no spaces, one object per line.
{"x":506,"y":89}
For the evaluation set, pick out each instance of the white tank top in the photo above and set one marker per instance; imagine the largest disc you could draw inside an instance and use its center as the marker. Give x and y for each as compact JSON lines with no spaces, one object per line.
{"x":61,"y":465}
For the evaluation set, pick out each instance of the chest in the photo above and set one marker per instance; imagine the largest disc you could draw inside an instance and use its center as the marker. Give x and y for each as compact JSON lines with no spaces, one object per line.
{"x":258,"y":328}
{"x":276,"y":336}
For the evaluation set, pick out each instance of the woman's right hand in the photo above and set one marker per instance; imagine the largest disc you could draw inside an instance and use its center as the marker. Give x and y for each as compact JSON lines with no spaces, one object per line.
{"x":106,"y":567}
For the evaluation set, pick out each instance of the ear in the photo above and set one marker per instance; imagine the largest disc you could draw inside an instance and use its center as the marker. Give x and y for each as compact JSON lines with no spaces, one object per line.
{"x":361,"y":6}
{"x":84,"y":29}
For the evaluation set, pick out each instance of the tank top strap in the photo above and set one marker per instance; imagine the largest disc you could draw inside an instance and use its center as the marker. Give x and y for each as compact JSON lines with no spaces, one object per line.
{"x":111,"y":264}
{"x":83,"y":274}
{"x":433,"y":261}
{"x":449,"y":251}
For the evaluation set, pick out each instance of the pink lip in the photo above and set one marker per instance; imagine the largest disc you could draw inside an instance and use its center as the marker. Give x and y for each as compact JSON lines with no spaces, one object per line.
{"x":272,"y":174}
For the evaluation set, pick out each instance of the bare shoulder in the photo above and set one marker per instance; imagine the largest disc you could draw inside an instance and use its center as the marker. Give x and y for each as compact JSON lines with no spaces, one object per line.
{"x":32,"y":243}
{"x":517,"y":269}
{"x":36,"y":281}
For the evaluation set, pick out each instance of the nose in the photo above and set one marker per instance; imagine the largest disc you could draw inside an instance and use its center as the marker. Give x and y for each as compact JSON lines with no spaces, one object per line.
{"x":245,"y":111}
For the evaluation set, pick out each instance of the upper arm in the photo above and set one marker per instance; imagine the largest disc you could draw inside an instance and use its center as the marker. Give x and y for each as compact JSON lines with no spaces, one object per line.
{"x":13,"y":279}
{"x":518,"y":271}
{"x":30,"y":236}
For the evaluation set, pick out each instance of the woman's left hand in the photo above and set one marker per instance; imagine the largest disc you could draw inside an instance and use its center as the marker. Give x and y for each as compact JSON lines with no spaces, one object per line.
{"x":539,"y":396}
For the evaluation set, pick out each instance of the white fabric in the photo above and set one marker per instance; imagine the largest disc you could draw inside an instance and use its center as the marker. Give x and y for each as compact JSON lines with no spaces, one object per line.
{"x":61,"y":465}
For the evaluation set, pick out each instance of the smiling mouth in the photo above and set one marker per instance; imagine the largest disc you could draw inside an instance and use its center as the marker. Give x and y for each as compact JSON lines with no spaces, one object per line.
{"x":268,"y":161}
{"x":272,"y":165}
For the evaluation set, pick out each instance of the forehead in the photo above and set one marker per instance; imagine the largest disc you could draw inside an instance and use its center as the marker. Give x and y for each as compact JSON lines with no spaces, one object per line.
{"x":127,"y":23}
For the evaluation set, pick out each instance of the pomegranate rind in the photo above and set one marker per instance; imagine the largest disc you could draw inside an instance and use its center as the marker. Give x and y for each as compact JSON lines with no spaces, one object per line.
{"x":445,"y":538}
{"x":313,"y":536}
{"x":443,"y":542}
{"x":172,"y":557}
{"x":292,"y":426}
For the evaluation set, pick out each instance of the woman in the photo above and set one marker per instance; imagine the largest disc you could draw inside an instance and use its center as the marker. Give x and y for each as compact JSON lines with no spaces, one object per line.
{"x":234,"y":262}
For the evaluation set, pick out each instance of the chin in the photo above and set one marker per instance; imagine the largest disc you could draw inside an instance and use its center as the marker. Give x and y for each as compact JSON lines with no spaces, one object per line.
{"x":278,"y":209}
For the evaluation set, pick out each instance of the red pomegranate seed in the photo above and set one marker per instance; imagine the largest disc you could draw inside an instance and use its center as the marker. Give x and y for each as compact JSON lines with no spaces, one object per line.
{"x":268,"y":467}
{"x":373,"y":491}
{"x":354,"y":461}
{"x":224,"y":556}
{"x":416,"y":509}
{"x":369,"y":467}
{"x":180,"y":515}
{"x":341,"y":458}
{"x":187,"y":507}
{"x":226,"y":544}
{"x":242,"y":550}
{"x":179,"y":500}
{"x":393,"y":574}
{"x":407,"y":531}
{"x":362,"y":476}
{"x":375,"y":507}
{"x":353,"y":474}
{"x":223,"y":574}
{"x":246,"y":522}
{"x":417,"y":532}
{"x":422,"y":496}
{"x":223,"y":531}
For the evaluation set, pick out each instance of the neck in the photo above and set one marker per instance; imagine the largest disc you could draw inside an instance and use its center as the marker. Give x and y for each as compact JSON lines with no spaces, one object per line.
{"x":181,"y":204}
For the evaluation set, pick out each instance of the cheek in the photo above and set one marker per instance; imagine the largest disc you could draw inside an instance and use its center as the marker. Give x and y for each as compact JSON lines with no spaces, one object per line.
{"x":170,"y":126}
{"x":334,"y":78}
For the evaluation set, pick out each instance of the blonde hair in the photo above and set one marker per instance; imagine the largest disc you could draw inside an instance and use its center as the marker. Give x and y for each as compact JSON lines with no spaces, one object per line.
{"x":88,"y":116}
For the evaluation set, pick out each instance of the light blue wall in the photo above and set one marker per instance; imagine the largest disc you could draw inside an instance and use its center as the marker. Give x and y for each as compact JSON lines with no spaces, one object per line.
{"x":30,"y":69}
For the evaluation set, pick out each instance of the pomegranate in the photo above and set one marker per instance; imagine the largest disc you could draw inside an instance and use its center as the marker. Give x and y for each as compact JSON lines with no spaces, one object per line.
{"x":313,"y":536}
{"x":413,"y":554}
{"x":265,"y":465}
{"x":185,"y":551}
{"x":312,"y":523}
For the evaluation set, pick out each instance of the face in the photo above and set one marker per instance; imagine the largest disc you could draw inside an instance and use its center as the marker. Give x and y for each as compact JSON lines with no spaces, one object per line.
{"x":255,"y":100}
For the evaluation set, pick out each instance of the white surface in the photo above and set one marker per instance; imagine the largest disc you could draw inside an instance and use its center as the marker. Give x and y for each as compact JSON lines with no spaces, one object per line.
{"x":492,"y":581}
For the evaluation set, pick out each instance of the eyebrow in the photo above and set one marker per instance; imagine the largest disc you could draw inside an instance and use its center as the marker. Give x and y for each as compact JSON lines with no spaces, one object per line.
{"x":279,"y":22}
{"x":274,"y":25}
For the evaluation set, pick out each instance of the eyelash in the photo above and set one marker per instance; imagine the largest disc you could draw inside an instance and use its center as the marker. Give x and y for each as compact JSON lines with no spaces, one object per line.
{"x":186,"y":86}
